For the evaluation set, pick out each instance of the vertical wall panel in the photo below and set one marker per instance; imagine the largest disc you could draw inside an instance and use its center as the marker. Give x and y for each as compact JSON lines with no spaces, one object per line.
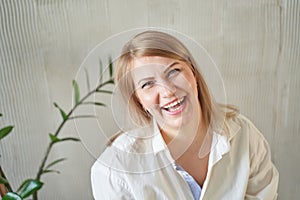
{"x":287,"y":111}
{"x":23,"y":91}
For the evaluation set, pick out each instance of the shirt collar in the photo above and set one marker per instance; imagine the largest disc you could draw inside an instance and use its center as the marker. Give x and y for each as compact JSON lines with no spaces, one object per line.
{"x":222,"y":139}
{"x":158,"y":143}
{"x":233,"y":128}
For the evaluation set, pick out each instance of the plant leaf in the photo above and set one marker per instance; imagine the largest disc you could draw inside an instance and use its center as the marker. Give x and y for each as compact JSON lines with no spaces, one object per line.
{"x":3,"y":180}
{"x":110,"y":65}
{"x":11,"y":196}
{"x":104,"y":91}
{"x":69,"y":139}
{"x":51,"y":171}
{"x":83,"y":116}
{"x":76,"y":92}
{"x":5,"y":131}
{"x":101,"y":71}
{"x":22,"y":185}
{"x":98,"y":103}
{"x":111,"y":81}
{"x":29,"y":187}
{"x":55,"y":162}
{"x":1,"y":115}
{"x":63,"y":114}
{"x":95,"y":103}
{"x":53,"y":138}
{"x":87,"y":79}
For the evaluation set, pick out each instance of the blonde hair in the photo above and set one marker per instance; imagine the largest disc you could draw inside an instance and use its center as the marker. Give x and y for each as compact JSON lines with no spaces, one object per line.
{"x":155,"y":43}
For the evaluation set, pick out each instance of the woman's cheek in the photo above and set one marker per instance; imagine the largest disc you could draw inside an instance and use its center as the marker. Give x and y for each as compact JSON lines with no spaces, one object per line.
{"x":148,"y":100}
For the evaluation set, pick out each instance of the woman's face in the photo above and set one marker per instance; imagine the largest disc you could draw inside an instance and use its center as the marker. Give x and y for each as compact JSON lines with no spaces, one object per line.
{"x":167,"y":89}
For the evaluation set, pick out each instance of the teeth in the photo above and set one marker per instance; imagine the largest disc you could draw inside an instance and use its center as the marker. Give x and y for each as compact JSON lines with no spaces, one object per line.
{"x":174,"y":103}
{"x":174,"y":109}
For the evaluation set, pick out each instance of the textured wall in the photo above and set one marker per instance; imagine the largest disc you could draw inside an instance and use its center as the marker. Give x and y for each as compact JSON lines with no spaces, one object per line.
{"x":43,"y":42}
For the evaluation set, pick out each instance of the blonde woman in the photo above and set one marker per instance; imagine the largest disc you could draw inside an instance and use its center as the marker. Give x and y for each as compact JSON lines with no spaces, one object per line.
{"x":185,"y":145}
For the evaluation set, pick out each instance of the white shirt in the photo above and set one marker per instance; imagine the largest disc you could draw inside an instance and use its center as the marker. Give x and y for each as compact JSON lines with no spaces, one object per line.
{"x":139,"y":166}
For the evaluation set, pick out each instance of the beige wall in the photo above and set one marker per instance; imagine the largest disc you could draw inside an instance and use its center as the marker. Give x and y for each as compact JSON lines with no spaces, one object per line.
{"x":255,"y":45}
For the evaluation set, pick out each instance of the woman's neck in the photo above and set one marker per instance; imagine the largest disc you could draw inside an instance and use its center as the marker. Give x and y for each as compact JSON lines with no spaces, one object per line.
{"x":188,"y":139}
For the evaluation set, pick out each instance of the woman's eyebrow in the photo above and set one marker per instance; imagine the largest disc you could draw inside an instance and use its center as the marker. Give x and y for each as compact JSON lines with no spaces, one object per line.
{"x":144,"y":79}
{"x":165,"y":71}
{"x":171,"y":65}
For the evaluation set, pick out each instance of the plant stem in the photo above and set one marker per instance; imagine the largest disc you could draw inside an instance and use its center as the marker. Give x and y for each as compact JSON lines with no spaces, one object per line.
{"x":44,"y":160}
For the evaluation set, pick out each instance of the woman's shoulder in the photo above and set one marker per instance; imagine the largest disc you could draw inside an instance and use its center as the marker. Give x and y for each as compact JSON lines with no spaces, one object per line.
{"x":250,"y":131}
{"x":137,"y":140}
{"x":129,"y":148}
{"x":242,"y":121}
{"x":116,"y":154}
{"x":130,"y":139}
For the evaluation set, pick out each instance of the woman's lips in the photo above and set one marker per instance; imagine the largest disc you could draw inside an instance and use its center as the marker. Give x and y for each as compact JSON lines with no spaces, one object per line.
{"x":175,"y":107}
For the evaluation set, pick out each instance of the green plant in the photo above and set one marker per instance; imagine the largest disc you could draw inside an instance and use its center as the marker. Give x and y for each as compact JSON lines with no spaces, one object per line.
{"x":30,"y":187}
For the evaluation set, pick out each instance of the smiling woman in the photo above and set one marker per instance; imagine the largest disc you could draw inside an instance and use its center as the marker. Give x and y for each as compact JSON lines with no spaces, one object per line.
{"x":187,"y":146}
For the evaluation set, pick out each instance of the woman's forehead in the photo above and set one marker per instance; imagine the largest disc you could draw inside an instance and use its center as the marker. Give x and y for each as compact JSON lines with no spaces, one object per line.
{"x":146,"y":71}
{"x":152,"y":60}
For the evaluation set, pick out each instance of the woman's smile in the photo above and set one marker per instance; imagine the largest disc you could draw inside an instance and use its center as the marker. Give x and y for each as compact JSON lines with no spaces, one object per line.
{"x":175,"y":107}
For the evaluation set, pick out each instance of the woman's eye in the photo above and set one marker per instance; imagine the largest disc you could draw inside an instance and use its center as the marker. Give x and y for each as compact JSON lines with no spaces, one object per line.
{"x":148,"y":84}
{"x":173,"y":72}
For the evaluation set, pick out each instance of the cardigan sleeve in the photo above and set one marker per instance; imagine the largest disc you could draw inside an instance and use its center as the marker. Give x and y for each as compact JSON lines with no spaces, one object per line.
{"x":264,"y":177}
{"x":106,"y":185}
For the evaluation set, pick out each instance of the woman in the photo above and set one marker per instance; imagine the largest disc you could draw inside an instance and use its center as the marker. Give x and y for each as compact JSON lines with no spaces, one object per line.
{"x":186,"y":146}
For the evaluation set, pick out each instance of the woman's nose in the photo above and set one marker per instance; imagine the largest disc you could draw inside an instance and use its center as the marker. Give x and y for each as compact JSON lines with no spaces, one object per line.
{"x":166,"y":89}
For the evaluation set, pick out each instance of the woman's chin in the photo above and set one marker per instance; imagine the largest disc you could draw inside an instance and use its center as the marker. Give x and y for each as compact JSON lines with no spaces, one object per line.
{"x":174,"y":124}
